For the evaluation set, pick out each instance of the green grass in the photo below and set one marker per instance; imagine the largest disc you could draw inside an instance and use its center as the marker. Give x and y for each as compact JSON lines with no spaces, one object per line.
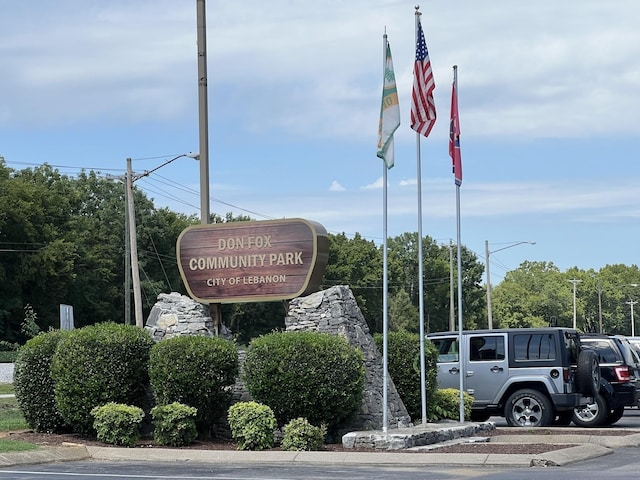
{"x":11,"y":417}
{"x":6,"y":388}
{"x":7,"y":446}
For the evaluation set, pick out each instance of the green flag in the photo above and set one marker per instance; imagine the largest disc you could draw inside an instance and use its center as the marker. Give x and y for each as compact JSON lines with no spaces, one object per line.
{"x":389,"y":112}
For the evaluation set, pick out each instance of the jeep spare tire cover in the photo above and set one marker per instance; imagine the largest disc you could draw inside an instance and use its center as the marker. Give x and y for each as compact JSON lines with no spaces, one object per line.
{"x":588,"y":373}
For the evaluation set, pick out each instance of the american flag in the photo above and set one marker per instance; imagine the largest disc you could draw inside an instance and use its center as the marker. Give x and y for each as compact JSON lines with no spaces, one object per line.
{"x":423,"y":108}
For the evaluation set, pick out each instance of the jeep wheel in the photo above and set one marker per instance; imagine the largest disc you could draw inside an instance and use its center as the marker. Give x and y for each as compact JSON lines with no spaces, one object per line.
{"x":563,"y":419}
{"x":528,"y":408}
{"x":588,"y":373}
{"x":614,"y":415}
{"x":593,"y":414}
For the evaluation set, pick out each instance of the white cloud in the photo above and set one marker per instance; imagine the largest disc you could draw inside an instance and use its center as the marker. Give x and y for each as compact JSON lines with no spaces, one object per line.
{"x":336,"y":187}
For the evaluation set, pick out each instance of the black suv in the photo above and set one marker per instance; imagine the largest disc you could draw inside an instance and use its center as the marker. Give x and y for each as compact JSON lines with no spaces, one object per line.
{"x":619,"y":380}
{"x":534,"y":377}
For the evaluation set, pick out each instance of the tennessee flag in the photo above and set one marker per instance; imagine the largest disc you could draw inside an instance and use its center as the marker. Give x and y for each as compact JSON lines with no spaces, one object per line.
{"x":454,"y":137}
{"x":389,"y":112}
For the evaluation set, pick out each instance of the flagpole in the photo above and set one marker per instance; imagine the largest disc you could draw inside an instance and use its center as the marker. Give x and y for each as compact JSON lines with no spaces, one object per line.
{"x":458,"y":181}
{"x":385,"y":281}
{"x":389,"y":123}
{"x":423,"y":387}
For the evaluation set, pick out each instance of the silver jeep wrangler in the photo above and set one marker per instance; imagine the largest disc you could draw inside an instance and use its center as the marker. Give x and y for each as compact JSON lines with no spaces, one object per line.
{"x":533,"y":377}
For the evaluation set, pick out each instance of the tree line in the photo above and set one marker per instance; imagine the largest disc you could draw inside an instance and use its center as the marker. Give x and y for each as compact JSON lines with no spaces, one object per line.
{"x":62,"y":241}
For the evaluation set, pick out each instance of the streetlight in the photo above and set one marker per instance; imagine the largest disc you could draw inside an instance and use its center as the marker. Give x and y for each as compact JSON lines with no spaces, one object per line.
{"x":487,"y":253}
{"x":133,"y":244}
{"x":575,"y":282}
{"x":631,"y":303}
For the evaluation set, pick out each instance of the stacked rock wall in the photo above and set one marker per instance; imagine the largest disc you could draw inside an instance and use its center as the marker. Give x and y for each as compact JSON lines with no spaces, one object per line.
{"x":335,"y":311}
{"x":175,"y":314}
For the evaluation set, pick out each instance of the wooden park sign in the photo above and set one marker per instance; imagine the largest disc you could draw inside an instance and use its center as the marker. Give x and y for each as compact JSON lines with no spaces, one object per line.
{"x":252,"y":261}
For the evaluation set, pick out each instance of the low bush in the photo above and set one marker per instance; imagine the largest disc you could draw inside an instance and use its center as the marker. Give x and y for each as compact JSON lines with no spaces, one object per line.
{"x":306,"y":374}
{"x":252,"y":425}
{"x":299,"y":434}
{"x":118,"y":424}
{"x":99,"y":364}
{"x":33,"y":385}
{"x":174,"y":424}
{"x":197,"y":371}
{"x":446,"y":404}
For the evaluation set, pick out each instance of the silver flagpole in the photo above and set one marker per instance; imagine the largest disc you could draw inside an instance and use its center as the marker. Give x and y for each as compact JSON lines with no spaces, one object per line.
{"x":420,"y":263}
{"x":460,"y":349}
{"x":385,"y":281}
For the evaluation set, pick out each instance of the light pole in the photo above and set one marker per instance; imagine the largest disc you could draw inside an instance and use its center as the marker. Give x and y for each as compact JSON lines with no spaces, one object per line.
{"x":631,"y":303}
{"x":131,"y":223}
{"x":486,"y":256}
{"x":575,"y":282}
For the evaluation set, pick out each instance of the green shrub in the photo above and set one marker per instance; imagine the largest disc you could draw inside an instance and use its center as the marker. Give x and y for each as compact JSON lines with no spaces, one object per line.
{"x":299,"y":434}
{"x":8,"y":356}
{"x":252,"y":425}
{"x":306,"y":374}
{"x":446,"y":404}
{"x":98,"y":364}
{"x":174,"y":424}
{"x":118,"y":424}
{"x":404,"y":369}
{"x":33,"y":385}
{"x":196,"y":371}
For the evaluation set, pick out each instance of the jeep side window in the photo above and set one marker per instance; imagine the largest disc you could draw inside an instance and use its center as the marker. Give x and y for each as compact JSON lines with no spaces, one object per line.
{"x":486,"y":348}
{"x":447,"y":349}
{"x":534,"y":346}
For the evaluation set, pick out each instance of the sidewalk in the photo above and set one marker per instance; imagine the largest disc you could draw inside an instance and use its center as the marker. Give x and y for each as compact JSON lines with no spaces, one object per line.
{"x":588,"y":446}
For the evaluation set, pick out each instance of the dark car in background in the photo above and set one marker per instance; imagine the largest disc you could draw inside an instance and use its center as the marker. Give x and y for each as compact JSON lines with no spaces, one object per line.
{"x":619,"y":380}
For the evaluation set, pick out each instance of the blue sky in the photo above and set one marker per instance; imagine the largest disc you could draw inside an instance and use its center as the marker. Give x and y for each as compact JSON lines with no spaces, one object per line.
{"x":549,"y":99}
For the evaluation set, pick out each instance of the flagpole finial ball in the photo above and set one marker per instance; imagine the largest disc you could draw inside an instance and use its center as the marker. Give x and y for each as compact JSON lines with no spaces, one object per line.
{"x":417,"y":7}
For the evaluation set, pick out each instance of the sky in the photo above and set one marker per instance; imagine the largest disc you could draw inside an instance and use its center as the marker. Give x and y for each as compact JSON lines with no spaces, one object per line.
{"x":548,"y":93}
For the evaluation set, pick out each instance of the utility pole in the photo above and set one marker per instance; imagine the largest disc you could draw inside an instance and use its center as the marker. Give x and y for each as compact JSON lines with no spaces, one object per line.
{"x":631,"y":303}
{"x":575,"y":282}
{"x":135,"y":272}
{"x":489,"y":310}
{"x":203,"y":112}
{"x":127,"y":257}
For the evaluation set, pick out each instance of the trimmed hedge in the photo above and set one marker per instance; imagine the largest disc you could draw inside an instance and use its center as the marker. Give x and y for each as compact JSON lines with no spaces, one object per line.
{"x":252,"y":425}
{"x":118,"y":424}
{"x":174,"y":424}
{"x":300,"y":435}
{"x":446,"y":404}
{"x":98,"y":364}
{"x":196,"y":371}
{"x":33,"y":385}
{"x":404,"y":369}
{"x":306,"y":374}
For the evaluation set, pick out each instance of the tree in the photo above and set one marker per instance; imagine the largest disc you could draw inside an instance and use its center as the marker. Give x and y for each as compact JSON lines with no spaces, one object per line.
{"x":403,"y":315}
{"x":357,"y":263}
{"x":533,"y":295}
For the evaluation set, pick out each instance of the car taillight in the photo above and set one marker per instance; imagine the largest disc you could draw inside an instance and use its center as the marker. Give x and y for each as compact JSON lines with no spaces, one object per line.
{"x":622,"y":373}
{"x":566,"y":374}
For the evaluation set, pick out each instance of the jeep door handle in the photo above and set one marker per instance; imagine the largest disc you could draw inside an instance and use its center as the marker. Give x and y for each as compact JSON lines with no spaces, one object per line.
{"x":454,"y":370}
{"x":496,"y":369}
